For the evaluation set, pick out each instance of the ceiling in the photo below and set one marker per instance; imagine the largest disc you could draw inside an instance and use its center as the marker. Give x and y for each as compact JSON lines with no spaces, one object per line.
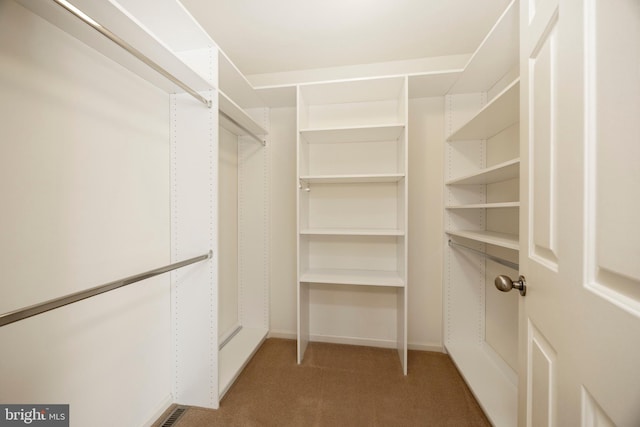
{"x":269,"y":36}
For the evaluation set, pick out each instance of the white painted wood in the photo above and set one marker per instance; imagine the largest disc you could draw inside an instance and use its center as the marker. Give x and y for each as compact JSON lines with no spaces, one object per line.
{"x":246,"y":343}
{"x":501,"y":172}
{"x":113,"y":17}
{"x":229,"y":107}
{"x":499,"y":114}
{"x":233,"y":83}
{"x":496,"y":55}
{"x":353,"y":277}
{"x":84,"y":155}
{"x":579,"y":321}
{"x":352,"y":231}
{"x":432,"y":84}
{"x":485,"y":205}
{"x":509,"y":241}
{"x":495,"y":391}
{"x":354,"y":134}
{"x":352,"y":200}
{"x":337,"y":179}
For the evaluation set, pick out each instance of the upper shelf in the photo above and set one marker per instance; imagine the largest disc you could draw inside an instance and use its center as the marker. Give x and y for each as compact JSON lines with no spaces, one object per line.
{"x":235,"y":84}
{"x":233,"y":110}
{"x":353,"y":134}
{"x":504,"y":240}
{"x":121,"y":22}
{"x":497,"y":54}
{"x":502,"y":112}
{"x":498,"y":173}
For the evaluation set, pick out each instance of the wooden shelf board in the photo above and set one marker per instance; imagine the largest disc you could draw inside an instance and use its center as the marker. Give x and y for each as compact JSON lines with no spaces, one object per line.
{"x":485,"y":205}
{"x":236,"y":85}
{"x":497,"y":54}
{"x":509,"y":241}
{"x":353,"y":91}
{"x":498,"y":173}
{"x":390,"y":132}
{"x":432,"y":84}
{"x":228,"y":106}
{"x":112,"y":17}
{"x":236,"y":354}
{"x":344,"y":179}
{"x":353,"y":277}
{"x":502,"y":112}
{"x":494,"y":390}
{"x":351,"y":232}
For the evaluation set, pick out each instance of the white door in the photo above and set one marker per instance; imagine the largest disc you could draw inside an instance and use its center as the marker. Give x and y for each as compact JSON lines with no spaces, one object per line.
{"x":580,"y":230}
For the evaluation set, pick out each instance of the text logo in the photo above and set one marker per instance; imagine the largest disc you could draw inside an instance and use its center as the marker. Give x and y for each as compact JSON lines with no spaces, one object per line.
{"x":34,"y":415}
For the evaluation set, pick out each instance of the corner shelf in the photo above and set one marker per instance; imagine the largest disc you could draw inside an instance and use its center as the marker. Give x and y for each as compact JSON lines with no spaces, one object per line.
{"x":500,"y":172}
{"x":496,"y":55}
{"x":509,"y":241}
{"x":502,"y":112}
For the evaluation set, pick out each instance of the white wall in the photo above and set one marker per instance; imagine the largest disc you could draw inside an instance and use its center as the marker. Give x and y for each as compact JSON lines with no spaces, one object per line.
{"x":84,"y":177}
{"x":426,"y":153}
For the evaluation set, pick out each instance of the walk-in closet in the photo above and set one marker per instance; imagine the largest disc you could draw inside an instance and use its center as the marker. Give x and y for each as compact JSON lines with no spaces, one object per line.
{"x":318,"y":204}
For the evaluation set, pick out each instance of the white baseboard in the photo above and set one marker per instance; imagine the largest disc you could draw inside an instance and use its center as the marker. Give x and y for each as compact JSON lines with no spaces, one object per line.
{"x":288,"y":335}
{"x":160,"y":409}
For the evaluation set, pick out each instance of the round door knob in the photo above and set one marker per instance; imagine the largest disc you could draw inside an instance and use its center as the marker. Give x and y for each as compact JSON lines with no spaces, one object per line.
{"x":505,"y":284}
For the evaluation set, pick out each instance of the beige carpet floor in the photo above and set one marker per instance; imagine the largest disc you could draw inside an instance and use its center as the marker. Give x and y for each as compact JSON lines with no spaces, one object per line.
{"x":340,"y":385}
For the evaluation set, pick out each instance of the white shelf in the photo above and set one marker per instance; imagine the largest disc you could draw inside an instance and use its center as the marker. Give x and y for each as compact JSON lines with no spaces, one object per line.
{"x":485,"y":205}
{"x":494,"y":390}
{"x":236,"y":85}
{"x":229,"y":107}
{"x":432,"y":84}
{"x":352,"y":91}
{"x":121,"y":23}
{"x":353,"y":277}
{"x":351,"y":179}
{"x":351,"y":232}
{"x":388,"y":132}
{"x":236,"y":354}
{"x":497,"y":54}
{"x":509,"y":241}
{"x":502,"y":112}
{"x":498,"y":173}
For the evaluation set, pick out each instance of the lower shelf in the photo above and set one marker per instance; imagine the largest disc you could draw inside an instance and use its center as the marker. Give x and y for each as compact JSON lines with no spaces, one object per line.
{"x":504,"y":240}
{"x":353,"y":277}
{"x":495,"y":391}
{"x":236,"y":354}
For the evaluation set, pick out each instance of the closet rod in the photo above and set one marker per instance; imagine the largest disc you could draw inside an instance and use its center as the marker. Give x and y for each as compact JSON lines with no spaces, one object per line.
{"x":33,"y":310}
{"x":488,"y":256}
{"x":132,"y":50}
{"x":235,"y":122}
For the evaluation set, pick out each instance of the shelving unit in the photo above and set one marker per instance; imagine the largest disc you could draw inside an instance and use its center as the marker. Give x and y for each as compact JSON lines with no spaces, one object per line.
{"x":352,"y":198}
{"x":482,"y":169}
{"x":245,"y":253}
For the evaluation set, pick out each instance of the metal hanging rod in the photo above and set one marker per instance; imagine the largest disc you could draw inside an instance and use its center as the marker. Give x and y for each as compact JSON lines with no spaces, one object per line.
{"x":499,"y":260}
{"x":132,"y":50}
{"x":33,"y":310}
{"x":235,"y":122}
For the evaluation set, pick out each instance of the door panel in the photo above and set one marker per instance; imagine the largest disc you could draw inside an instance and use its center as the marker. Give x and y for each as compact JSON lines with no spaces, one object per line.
{"x":542,"y":167}
{"x":542,"y":367}
{"x":613,"y":146}
{"x":580,"y":233}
